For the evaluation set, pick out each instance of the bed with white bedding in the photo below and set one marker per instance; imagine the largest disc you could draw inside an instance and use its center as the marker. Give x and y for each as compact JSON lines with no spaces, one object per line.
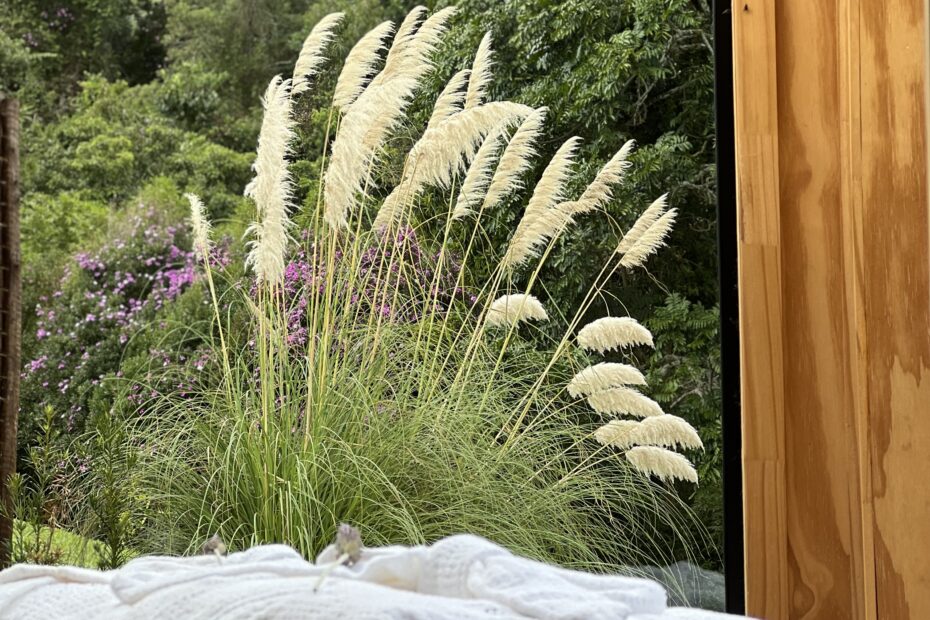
{"x":458,"y":578}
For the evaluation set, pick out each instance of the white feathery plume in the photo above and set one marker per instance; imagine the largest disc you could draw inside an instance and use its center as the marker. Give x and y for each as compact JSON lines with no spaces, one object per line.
{"x":602,"y":376}
{"x":661,"y":463}
{"x":480,"y":73}
{"x":624,"y":401}
{"x":272,"y":186}
{"x":610,"y":332}
{"x":540,"y":221}
{"x":478,"y":176}
{"x":617,"y":433}
{"x":430,"y":34}
{"x":311,"y":56}
{"x":450,"y":99}
{"x":512,"y":309}
{"x":550,"y":189}
{"x":667,"y":431}
{"x":600,"y":190}
{"x":532,"y":234}
{"x":642,"y":224}
{"x":515,"y":159}
{"x":273,"y":145}
{"x":397,"y":53}
{"x":378,"y":110}
{"x":410,"y":52}
{"x":200,"y":225}
{"x":364,"y":128}
{"x":360,"y":65}
{"x":650,"y":241}
{"x":438,"y":154}
{"x":444,"y":150}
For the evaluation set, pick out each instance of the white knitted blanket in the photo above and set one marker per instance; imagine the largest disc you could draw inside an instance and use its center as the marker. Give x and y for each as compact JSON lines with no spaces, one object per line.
{"x":458,"y":578}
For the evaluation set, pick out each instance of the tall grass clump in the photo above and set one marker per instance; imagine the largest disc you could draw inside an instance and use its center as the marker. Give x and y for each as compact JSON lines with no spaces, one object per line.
{"x":376,"y":381}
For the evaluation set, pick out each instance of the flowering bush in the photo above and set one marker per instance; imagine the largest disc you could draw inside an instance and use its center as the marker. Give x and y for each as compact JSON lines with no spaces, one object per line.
{"x":105,"y":298}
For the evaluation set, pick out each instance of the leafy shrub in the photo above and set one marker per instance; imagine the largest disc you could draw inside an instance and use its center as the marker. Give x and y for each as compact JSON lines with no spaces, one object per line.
{"x":58,"y":225}
{"x":15,"y":61}
{"x":116,"y":148}
{"x":191,"y":94}
{"x":116,"y":140}
{"x":685,"y":370}
{"x":38,"y":501}
{"x":114,"y":508}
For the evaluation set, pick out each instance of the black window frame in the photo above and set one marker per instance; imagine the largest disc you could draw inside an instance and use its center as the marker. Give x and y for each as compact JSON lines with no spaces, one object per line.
{"x":728,"y":276}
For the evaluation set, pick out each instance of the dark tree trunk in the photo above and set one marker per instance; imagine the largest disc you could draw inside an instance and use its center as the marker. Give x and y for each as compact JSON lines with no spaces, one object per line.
{"x":10,"y":310}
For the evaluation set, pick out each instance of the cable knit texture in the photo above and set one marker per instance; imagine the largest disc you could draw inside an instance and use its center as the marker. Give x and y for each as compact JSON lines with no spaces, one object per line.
{"x":458,"y":578}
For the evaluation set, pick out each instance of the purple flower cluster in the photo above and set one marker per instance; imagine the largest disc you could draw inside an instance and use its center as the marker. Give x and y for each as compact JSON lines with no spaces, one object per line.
{"x":395,"y":277}
{"x":59,"y":19}
{"x":105,"y":299}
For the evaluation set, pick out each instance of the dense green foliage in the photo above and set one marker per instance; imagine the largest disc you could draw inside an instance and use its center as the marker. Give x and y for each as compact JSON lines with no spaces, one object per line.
{"x":54,"y":44}
{"x":610,"y":71}
{"x":130,"y":102}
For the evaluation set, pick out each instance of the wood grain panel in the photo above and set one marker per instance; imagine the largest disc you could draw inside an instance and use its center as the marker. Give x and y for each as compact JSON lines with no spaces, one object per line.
{"x":834,"y":250}
{"x":864,"y":604}
{"x":822,"y":460}
{"x":761,"y":316}
{"x":896,"y":256}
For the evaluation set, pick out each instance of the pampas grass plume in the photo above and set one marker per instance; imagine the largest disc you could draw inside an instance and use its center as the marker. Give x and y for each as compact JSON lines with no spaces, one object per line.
{"x":540,"y":221}
{"x":412,"y":46}
{"x":667,"y":431}
{"x":616,"y":433}
{"x":550,"y":189}
{"x":311,"y":54}
{"x":600,"y":190}
{"x":363,"y":130}
{"x":439,"y":154}
{"x":602,"y":376}
{"x":430,"y":33}
{"x":650,"y":241}
{"x":480,"y":73}
{"x":200,"y":225}
{"x":272,"y":186}
{"x":360,"y":65}
{"x":509,"y":310}
{"x":515,"y":160}
{"x":609,"y":333}
{"x":450,"y":99}
{"x":642,"y":224}
{"x":624,"y":401}
{"x":661,"y":463}
{"x":478,"y":176}
{"x":399,"y":46}
{"x":378,"y":110}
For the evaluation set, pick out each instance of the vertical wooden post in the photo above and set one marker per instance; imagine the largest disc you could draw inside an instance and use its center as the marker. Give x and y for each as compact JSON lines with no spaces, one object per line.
{"x":761,"y":313}
{"x":10,"y":318}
